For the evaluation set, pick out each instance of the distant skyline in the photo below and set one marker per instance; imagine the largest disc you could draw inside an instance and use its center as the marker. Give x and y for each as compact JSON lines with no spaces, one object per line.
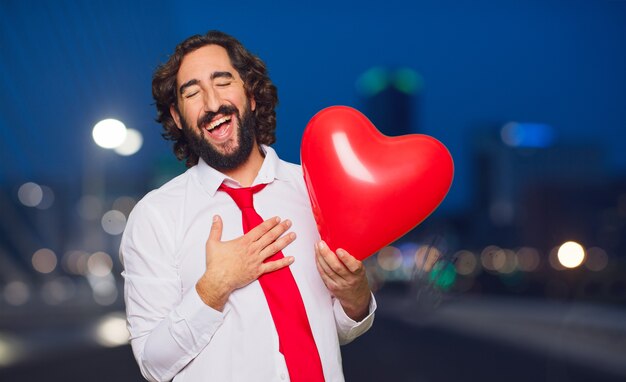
{"x":66,"y":65}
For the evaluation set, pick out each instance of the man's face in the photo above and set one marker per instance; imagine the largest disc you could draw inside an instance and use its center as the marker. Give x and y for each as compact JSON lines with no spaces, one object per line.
{"x":213,"y":109}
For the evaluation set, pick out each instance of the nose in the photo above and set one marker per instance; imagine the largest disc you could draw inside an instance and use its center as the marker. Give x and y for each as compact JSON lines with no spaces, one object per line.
{"x":212,"y":100}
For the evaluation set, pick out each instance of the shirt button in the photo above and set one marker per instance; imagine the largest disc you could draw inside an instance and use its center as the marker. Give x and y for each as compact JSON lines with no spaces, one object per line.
{"x":283,"y":376}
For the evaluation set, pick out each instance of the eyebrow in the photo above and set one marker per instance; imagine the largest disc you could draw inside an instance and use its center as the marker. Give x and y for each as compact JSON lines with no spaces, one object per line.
{"x":188,"y":84}
{"x":194,"y":81}
{"x":215,"y":75}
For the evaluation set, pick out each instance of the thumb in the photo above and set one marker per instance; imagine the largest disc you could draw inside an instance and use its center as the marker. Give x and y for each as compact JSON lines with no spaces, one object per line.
{"x":216,"y":229}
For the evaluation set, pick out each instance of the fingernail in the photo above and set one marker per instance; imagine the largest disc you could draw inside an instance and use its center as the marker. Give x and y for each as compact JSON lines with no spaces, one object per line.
{"x":214,"y":218}
{"x":321,"y":245}
{"x":288,"y":223}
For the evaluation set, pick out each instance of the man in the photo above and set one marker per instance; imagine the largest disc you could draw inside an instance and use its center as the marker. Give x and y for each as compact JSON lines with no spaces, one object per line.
{"x":208,"y":299}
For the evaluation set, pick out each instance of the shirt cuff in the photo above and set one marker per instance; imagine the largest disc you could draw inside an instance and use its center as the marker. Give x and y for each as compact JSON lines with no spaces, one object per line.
{"x":347,"y":328}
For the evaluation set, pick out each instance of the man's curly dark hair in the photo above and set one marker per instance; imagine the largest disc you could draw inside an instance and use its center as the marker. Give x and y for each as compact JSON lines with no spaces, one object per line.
{"x":251,"y":70}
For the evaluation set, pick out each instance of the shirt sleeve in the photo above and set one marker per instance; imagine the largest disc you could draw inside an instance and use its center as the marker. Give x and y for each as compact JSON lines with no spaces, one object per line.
{"x":167,"y":328}
{"x":348,"y":329}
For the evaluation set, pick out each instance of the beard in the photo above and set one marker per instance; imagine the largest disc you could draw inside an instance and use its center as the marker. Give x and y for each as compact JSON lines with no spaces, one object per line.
{"x":233,"y":155}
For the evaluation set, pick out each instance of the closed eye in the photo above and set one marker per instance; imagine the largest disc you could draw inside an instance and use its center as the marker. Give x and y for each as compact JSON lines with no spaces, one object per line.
{"x":191,"y":94}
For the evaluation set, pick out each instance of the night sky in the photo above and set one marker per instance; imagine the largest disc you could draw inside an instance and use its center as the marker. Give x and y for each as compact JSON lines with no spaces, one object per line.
{"x":68,"y":64}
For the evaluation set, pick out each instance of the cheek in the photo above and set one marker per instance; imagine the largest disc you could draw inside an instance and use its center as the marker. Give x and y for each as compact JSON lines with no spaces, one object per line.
{"x":192,"y":114}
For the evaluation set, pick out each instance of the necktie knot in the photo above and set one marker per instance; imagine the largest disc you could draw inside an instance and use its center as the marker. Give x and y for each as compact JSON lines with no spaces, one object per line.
{"x":242,"y":196}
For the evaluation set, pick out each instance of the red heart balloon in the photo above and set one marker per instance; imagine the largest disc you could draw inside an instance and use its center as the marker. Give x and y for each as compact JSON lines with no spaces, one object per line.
{"x":367,"y":189}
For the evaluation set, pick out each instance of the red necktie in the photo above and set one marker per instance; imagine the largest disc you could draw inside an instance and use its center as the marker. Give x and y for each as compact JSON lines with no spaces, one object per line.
{"x":295,"y":338}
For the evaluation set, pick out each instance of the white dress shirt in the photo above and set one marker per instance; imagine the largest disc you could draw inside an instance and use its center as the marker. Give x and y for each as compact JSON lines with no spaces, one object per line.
{"x":174,"y":335}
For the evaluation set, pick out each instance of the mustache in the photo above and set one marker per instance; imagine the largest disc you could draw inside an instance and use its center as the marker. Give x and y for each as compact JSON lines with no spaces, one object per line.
{"x":224,"y":110}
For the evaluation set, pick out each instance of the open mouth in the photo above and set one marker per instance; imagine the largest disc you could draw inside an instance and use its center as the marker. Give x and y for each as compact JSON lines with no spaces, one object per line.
{"x":220,"y":127}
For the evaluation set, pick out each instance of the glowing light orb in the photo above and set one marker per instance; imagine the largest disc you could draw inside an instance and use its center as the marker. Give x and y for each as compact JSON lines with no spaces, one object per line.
{"x":571,"y":254}
{"x":132,"y":143}
{"x":30,"y":194}
{"x":597,"y":259}
{"x":111,"y":330}
{"x":109,"y":133}
{"x":44,"y":260}
{"x":113,"y":222}
{"x":443,"y":275}
{"x":16,"y":293}
{"x":389,"y":258}
{"x":100,"y":264}
{"x":528,"y":259}
{"x":466,"y":263}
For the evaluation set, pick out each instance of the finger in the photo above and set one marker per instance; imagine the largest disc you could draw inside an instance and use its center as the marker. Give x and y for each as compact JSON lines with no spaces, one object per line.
{"x":277,"y":245}
{"x":332,"y":260}
{"x":329,"y":282}
{"x":216,"y":229}
{"x":273,"y":234}
{"x":326,"y":268}
{"x":275,"y":265}
{"x":255,"y":233}
{"x":349,"y":261}
{"x":320,"y":268}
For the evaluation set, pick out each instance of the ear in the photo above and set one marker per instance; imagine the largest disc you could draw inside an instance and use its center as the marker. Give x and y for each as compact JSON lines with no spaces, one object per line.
{"x":175,"y":116}
{"x":252,"y":103}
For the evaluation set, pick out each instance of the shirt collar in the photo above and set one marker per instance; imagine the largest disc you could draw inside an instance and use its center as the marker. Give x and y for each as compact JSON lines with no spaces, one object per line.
{"x":270,"y":170}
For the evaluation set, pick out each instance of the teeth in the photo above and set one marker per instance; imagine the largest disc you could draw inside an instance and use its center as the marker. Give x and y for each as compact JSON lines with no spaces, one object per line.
{"x":214,"y":124}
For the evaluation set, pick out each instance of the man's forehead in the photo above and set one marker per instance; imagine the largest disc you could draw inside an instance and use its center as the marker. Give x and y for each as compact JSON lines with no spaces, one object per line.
{"x":204,"y":61}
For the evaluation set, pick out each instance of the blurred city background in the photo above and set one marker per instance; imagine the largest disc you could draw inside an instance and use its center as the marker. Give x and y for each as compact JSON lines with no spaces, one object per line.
{"x":518,"y":276}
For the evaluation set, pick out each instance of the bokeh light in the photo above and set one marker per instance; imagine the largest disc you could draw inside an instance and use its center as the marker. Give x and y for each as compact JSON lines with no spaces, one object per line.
{"x":373,"y":81}
{"x":16,"y":293}
{"x":11,"y":349}
{"x":517,"y":134}
{"x":389,"y":258}
{"x":426,"y":257}
{"x":57,"y":291}
{"x":124,"y":204}
{"x":132,"y":143}
{"x":111,"y":330}
{"x":466,"y":263}
{"x":104,"y":290}
{"x":30,"y":194}
{"x":553,"y":259}
{"x":47,"y":198}
{"x":75,"y":262}
{"x":498,"y":259}
{"x":100,"y":278}
{"x":113,"y":222}
{"x":493,"y":258}
{"x":510,"y":262}
{"x":571,"y":254}
{"x":44,"y":260}
{"x":443,"y":275}
{"x":407,"y":81}
{"x":109,"y":133}
{"x":528,"y":259}
{"x":100,"y":264}
{"x":597,"y":259}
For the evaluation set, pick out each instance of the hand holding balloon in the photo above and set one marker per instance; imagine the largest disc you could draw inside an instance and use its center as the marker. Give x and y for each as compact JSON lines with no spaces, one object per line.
{"x":366,"y":189}
{"x":345,"y":278}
